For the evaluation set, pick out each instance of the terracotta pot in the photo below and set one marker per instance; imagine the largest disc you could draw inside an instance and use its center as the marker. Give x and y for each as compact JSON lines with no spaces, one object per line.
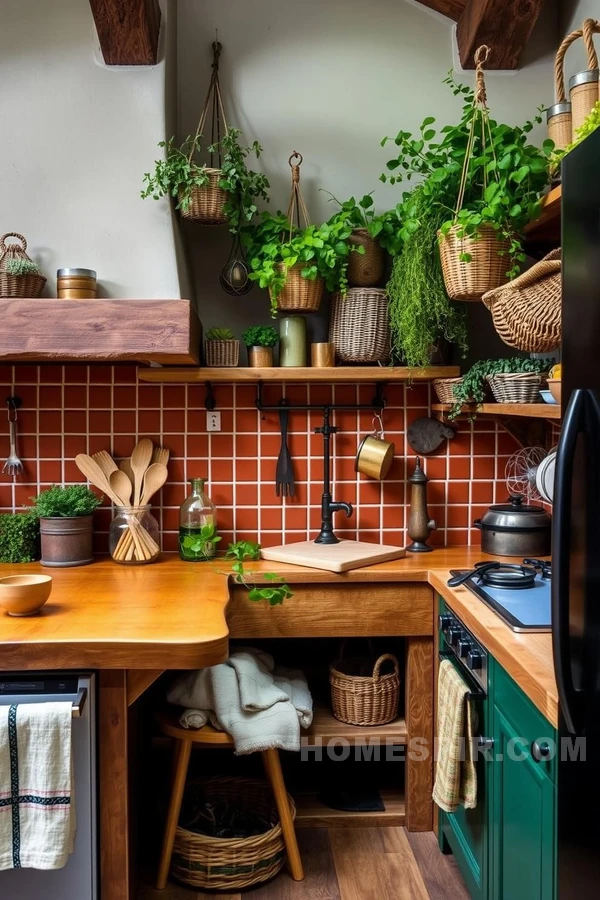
{"x":67,"y":541}
{"x":260,"y":357}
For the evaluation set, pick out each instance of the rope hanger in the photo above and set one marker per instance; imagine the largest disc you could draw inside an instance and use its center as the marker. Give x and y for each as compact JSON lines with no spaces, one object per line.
{"x":214,"y":103}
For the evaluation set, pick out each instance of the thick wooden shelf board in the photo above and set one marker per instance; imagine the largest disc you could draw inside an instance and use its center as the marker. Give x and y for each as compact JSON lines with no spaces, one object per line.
{"x":326,"y":727}
{"x":529,"y":410}
{"x":311,"y":813}
{"x":333,"y":375}
{"x":163,"y":331}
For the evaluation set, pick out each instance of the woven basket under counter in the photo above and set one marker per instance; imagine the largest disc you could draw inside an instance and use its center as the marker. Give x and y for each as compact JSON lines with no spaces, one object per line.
{"x":516,"y":387}
{"x":361,"y":699}
{"x":222,"y":354}
{"x":360,"y":325}
{"x":207,"y":202}
{"x":213,"y":863}
{"x":30,"y":286}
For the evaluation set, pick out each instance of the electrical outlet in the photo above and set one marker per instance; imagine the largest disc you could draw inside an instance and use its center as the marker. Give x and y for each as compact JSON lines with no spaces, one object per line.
{"x":213,"y":421}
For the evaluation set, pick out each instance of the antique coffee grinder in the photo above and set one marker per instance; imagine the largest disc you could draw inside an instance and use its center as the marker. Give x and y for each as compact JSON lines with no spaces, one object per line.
{"x":420,"y":525}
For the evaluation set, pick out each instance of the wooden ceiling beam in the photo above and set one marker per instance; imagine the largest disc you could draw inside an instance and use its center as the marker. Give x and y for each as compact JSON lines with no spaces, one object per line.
{"x":453,"y":9}
{"x":504,"y":25}
{"x":128,"y":31}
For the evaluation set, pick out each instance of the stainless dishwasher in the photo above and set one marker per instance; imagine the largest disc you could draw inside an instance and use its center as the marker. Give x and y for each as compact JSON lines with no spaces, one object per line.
{"x":78,"y":880}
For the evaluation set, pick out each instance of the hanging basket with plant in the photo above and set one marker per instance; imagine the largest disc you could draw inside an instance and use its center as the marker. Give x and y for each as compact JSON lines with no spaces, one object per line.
{"x":209,"y":194}
{"x":295,"y":260}
{"x":19,"y":275}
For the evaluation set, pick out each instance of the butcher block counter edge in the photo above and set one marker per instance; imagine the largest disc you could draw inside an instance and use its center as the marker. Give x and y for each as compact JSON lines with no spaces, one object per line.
{"x":165,"y":616}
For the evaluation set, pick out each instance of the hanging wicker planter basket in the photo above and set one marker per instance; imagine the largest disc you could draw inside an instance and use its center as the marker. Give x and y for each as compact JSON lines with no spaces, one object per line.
{"x":469,"y":281}
{"x":365,"y":269}
{"x":360,"y":325}
{"x":12,"y":256}
{"x":207,"y":202}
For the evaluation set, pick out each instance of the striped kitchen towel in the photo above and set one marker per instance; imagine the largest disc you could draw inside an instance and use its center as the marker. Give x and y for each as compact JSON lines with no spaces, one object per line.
{"x":455,"y":774}
{"x":37,"y":805}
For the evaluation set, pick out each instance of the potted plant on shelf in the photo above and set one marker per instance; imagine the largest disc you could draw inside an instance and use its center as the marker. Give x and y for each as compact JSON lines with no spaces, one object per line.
{"x":209,"y":196}
{"x":485,"y":180}
{"x":66,"y":519}
{"x":221,"y":349}
{"x":260,"y":340}
{"x":513,"y":380}
{"x":19,"y":537}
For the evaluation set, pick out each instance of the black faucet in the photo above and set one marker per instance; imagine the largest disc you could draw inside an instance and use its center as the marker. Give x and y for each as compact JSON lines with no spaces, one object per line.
{"x":328,"y":506}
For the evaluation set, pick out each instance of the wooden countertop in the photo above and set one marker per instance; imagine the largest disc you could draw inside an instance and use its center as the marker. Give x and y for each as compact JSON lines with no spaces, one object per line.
{"x":172,"y":615}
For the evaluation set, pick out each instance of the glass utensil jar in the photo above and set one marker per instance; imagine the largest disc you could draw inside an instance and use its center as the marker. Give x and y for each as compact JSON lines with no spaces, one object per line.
{"x":198,"y":525}
{"x":133,"y":539}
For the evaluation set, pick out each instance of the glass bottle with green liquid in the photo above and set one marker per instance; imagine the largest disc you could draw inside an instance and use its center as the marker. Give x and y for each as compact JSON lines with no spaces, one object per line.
{"x":198,"y":536}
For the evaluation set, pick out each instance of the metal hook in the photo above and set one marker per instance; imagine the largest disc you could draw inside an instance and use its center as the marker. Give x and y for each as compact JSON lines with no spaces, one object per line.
{"x":299,"y":157}
{"x":378,"y":421}
{"x":13,"y":404}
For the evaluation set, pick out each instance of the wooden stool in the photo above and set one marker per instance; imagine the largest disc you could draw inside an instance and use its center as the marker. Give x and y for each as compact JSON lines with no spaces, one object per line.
{"x":209,"y":736}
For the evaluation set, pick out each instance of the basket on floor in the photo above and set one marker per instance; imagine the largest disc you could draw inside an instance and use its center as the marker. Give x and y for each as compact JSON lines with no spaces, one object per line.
{"x":516,"y":387}
{"x":299,"y":294}
{"x":213,"y":863}
{"x":527,"y":310}
{"x":222,"y":354}
{"x":207,"y":202}
{"x":360,"y":325}
{"x":359,"y":698}
{"x":469,"y":281}
{"x":365,"y":269}
{"x":27,"y":284}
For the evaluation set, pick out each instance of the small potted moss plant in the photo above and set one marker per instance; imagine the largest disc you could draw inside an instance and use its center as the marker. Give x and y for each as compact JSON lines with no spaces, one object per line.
{"x":66,"y":524}
{"x":19,"y":537}
{"x":260,"y":340}
{"x":221,"y":348}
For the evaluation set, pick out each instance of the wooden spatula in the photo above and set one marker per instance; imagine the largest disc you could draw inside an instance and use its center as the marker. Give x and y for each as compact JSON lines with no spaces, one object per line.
{"x":140,"y":460}
{"x":155,"y":477}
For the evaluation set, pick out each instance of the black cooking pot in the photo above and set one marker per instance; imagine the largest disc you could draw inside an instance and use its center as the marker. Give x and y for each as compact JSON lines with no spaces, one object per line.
{"x":515,"y":529}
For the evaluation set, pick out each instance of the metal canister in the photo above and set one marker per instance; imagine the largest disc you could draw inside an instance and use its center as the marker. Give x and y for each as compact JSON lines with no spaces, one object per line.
{"x":76,"y":284}
{"x":583,"y":91}
{"x":560,"y":128}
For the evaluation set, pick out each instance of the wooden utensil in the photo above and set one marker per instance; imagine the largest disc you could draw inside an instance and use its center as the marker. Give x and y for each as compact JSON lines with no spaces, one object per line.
{"x":105,"y":461}
{"x":140,"y":460}
{"x":125,"y":466}
{"x":122,"y":486}
{"x":92,"y":471}
{"x":161,"y":455}
{"x":155,"y":477}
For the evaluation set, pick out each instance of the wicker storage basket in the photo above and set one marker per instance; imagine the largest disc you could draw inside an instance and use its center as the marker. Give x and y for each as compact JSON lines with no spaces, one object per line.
{"x":444,"y":388}
{"x":207,"y":202}
{"x":358,"y":698}
{"x":365,"y":269}
{"x":516,"y":387}
{"x":527,"y":311}
{"x":360,"y":325}
{"x":213,"y":863}
{"x":299,"y":294}
{"x":564,"y":117}
{"x":17,"y":285}
{"x":222,"y":354}
{"x":487,"y":270}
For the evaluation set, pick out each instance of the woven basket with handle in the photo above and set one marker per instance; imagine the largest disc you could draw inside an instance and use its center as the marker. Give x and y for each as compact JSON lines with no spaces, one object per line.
{"x":17,"y":285}
{"x":360,"y":325}
{"x":213,"y":863}
{"x":527,"y":311}
{"x":360,"y":693}
{"x":567,"y":115}
{"x":365,"y":269}
{"x":516,"y":387}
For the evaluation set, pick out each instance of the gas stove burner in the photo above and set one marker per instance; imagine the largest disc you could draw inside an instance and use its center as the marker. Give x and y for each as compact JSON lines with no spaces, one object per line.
{"x":543,"y":566}
{"x":499,"y":575}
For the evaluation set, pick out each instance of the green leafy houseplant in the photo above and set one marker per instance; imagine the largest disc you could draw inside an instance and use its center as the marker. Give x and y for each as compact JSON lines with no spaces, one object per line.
{"x":201,"y":544}
{"x":421,"y":313}
{"x":19,"y":266}
{"x":275,"y":593}
{"x":177,"y":175}
{"x":65,"y":502}
{"x":19,"y":537}
{"x":472,"y":387}
{"x":360,"y":214}
{"x":505,"y":178}
{"x":274,"y":245}
{"x":220,"y":334}
{"x":260,"y":336}
{"x":589,"y":125}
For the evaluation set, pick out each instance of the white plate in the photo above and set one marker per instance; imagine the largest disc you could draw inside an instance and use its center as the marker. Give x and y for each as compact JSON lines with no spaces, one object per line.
{"x":548,"y":477}
{"x":539,"y":479}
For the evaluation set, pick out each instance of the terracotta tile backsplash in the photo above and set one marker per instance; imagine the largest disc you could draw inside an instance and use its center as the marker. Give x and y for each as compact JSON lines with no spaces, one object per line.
{"x":75,"y":408}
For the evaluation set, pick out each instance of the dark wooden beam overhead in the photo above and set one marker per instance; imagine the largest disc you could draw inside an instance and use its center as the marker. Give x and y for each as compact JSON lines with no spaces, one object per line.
{"x":504,"y":25}
{"x":453,"y":9}
{"x":128,"y":31}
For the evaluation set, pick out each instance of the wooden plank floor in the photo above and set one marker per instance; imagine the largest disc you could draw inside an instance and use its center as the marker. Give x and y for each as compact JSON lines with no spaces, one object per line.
{"x":353,"y":864}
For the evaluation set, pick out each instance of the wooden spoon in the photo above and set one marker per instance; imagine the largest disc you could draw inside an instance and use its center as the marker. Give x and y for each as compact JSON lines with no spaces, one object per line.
{"x":125,"y":466}
{"x":122,"y":486}
{"x":140,"y":460}
{"x":92,"y":471}
{"x":155,"y":477}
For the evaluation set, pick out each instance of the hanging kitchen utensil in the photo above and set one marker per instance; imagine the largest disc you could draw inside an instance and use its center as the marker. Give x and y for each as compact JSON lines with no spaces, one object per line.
{"x":426,"y":434}
{"x":375,"y":455}
{"x":13,"y":465}
{"x":284,"y":476}
{"x":235,"y":274}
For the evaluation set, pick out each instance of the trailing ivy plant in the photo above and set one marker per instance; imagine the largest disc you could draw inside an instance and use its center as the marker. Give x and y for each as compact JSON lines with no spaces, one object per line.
{"x":472,"y":387}
{"x":505,"y":178}
{"x":176,"y":175}
{"x":421,"y":313}
{"x":19,"y":537}
{"x":70,"y":501}
{"x":260,"y":336}
{"x":382,"y":227}
{"x":273,"y":246}
{"x":275,"y":593}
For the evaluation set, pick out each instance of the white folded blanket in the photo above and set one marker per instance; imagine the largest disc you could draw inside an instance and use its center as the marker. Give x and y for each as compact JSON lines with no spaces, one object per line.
{"x":37,"y":804}
{"x":260,"y":706}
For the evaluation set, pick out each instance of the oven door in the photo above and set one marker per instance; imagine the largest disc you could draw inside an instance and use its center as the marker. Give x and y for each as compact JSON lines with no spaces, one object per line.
{"x":464,"y":832}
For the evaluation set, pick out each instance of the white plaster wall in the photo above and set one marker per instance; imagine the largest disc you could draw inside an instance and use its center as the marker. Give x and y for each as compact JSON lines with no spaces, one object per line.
{"x":330,"y":78}
{"x":77,"y":137}
{"x":572,"y":15}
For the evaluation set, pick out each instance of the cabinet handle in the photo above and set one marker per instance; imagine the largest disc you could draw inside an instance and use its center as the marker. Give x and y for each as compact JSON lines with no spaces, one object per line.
{"x":540,"y":750}
{"x":485,"y":743}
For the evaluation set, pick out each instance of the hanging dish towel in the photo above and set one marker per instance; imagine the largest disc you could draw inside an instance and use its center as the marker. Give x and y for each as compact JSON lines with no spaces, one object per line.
{"x":260,"y":706}
{"x":37,"y":806}
{"x":455,"y":776}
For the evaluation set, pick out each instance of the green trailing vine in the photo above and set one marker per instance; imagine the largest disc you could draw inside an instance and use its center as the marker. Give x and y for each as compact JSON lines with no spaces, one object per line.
{"x":472,"y":387}
{"x":382,"y":227}
{"x":276,"y":593}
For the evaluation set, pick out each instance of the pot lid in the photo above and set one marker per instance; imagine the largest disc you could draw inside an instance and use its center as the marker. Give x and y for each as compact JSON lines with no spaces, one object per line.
{"x":516,"y":516}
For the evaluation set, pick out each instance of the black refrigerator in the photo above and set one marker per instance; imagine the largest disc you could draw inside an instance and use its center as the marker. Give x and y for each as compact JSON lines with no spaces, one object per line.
{"x":576,"y":532}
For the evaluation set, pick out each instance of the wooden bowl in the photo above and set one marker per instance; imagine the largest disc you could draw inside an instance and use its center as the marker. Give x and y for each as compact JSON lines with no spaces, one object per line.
{"x":24,"y":595}
{"x":554,"y":388}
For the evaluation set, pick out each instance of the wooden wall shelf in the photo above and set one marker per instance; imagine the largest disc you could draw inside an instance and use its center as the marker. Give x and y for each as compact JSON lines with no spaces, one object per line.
{"x":529,"y":410}
{"x":333,"y":375}
{"x":545,"y":230}
{"x":48,"y":330}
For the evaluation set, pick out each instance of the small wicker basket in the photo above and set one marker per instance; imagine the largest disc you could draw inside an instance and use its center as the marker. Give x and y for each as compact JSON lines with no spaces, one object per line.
{"x":230,"y":864}
{"x":207,"y":202}
{"x":358,"y":698}
{"x":360,"y":325}
{"x":527,"y":310}
{"x":516,"y":387}
{"x":30,"y":285}
{"x":469,"y":281}
{"x":444,"y":388}
{"x":365,"y":269}
{"x":222,"y":354}
{"x":299,"y":294}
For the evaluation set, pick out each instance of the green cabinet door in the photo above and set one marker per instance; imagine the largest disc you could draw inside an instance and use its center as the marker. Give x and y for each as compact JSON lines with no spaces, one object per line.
{"x":523,"y":813}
